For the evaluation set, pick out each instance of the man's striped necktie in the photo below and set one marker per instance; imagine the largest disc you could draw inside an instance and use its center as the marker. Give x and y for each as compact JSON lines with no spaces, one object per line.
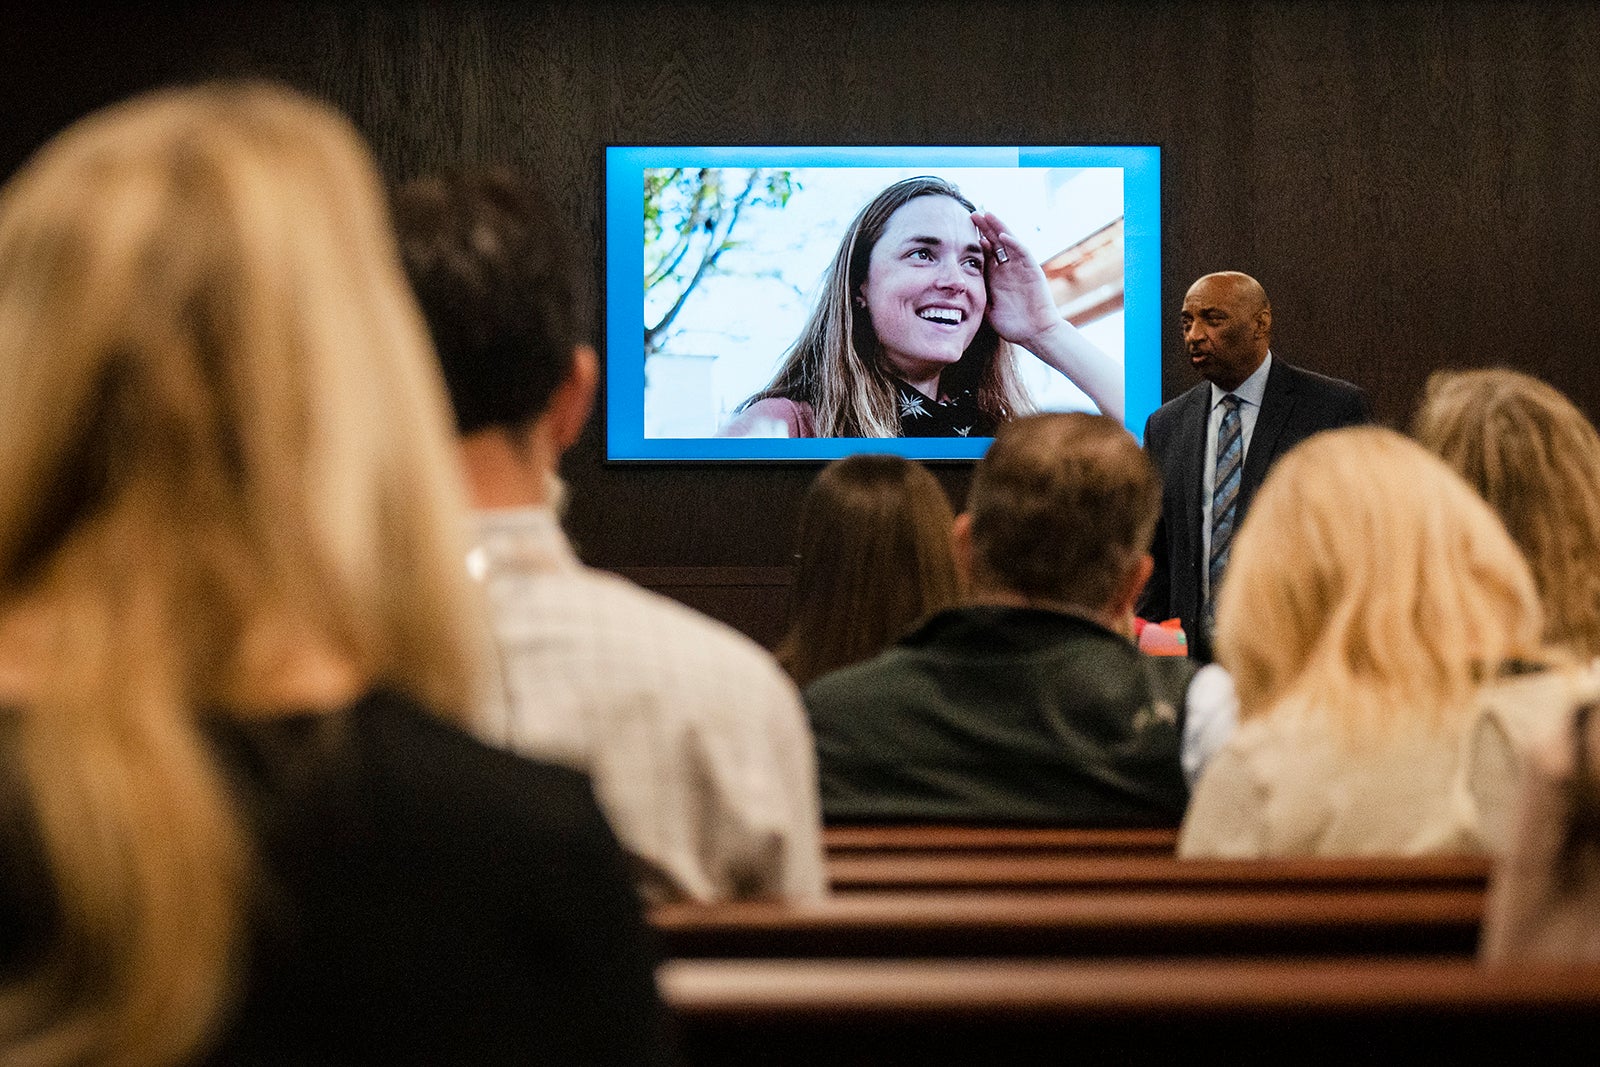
{"x":1224,"y":498}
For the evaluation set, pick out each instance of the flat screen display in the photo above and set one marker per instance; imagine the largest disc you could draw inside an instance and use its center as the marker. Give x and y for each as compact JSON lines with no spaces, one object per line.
{"x":773,"y":303}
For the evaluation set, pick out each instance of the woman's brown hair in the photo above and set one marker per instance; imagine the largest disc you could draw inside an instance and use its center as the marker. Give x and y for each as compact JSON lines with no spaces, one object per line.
{"x":874,"y":558}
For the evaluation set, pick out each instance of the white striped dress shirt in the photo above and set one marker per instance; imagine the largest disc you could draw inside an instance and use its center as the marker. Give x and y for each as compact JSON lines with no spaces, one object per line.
{"x":696,"y":741}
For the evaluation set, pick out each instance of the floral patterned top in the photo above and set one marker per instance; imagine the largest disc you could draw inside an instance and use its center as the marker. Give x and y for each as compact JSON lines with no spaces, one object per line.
{"x":949,"y":416}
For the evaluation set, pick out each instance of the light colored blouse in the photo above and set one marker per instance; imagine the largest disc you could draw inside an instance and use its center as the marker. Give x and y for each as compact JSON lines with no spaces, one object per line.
{"x":1294,"y":782}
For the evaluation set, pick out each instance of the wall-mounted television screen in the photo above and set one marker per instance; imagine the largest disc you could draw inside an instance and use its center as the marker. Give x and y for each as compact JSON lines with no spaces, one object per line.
{"x":784,"y":303}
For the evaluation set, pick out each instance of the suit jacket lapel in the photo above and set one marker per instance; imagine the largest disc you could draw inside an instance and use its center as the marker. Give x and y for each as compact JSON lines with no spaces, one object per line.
{"x":1277,"y":403}
{"x":1192,"y":432}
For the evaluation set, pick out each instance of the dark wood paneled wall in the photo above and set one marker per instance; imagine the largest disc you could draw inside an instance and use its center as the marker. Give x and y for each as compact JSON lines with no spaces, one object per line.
{"x":1414,"y":183}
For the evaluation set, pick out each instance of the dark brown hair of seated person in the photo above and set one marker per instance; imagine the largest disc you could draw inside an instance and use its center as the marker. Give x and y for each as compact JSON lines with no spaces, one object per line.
{"x":874,"y":558}
{"x":494,"y":268}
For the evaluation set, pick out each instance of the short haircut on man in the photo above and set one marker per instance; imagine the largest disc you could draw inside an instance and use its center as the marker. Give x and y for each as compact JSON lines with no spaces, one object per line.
{"x":492,"y":266}
{"x":1061,"y":505}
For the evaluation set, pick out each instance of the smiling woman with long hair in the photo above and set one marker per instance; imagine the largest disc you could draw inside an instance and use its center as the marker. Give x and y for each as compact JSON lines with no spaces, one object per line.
{"x":915,"y":329}
{"x":234,"y":622}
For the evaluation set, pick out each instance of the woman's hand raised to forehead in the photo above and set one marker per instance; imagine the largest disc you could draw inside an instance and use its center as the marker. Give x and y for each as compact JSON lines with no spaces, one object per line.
{"x":1022,"y":311}
{"x":1020,"y":308}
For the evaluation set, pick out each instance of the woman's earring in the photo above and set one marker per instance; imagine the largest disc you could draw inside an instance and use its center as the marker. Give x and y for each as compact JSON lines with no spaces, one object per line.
{"x":861,"y":301}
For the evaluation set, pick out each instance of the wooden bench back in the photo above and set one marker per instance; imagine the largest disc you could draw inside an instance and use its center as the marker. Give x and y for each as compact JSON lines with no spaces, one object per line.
{"x":871,"y":871}
{"x":930,"y":1013}
{"x":1095,"y":922}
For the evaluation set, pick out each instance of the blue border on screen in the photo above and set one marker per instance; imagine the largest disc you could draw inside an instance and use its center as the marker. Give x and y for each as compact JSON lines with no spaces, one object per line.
{"x":624,"y":226}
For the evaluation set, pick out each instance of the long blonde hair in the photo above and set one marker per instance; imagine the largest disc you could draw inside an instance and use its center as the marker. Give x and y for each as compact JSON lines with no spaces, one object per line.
{"x":221,"y":418}
{"x":1370,"y":581}
{"x":837,"y":366}
{"x":1536,"y":459}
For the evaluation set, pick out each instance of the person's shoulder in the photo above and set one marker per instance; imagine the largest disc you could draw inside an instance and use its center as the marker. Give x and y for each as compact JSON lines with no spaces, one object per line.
{"x":846,"y":680}
{"x":411,"y":758}
{"x":840,"y":696}
{"x":718,"y":638}
{"x":1534,"y":705}
{"x":1179,"y":403}
{"x":699,"y":645}
{"x":773,"y":416}
{"x":1272,"y":741}
{"x":1165,"y":417}
{"x":1164,"y":421}
{"x":1168,"y":674}
{"x":1311,"y":382}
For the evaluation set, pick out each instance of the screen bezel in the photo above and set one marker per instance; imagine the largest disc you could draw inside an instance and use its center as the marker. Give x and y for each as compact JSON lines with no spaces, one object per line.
{"x":624,"y":309}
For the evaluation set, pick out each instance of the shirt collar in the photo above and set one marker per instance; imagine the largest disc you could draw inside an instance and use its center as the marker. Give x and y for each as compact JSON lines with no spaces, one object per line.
{"x":525,"y":538}
{"x":1251,"y":390}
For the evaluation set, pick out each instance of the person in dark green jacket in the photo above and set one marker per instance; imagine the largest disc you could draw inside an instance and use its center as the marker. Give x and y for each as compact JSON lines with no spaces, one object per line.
{"x":1029,"y":703}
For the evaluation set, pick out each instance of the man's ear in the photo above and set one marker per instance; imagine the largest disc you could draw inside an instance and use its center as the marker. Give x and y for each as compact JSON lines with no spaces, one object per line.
{"x":1132,"y":584}
{"x":961,"y":548}
{"x":1264,"y":322}
{"x":573,"y":399}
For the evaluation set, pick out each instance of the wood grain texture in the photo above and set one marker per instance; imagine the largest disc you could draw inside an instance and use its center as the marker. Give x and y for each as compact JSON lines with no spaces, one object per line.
{"x":1412,"y":181}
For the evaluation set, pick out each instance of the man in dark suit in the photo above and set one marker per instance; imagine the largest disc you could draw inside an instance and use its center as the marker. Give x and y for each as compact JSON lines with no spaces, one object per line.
{"x":1214,"y":444}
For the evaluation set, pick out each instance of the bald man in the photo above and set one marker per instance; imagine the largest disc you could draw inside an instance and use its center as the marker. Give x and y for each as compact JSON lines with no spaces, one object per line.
{"x":1214,"y":444}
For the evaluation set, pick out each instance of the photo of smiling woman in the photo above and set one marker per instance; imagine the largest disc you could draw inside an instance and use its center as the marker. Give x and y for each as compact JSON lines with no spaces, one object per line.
{"x":916,"y":330}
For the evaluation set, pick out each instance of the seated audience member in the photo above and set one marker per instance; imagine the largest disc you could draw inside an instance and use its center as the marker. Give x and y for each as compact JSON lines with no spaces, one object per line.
{"x":695,"y":739}
{"x":1535,"y":458}
{"x":874,"y":560}
{"x":1384,"y":635}
{"x":1210,"y":717}
{"x":236,"y":823}
{"x":1029,"y":703}
{"x":1544,"y":897}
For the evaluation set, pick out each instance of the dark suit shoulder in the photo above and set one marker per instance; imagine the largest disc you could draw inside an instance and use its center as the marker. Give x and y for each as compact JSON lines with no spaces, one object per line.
{"x":1310,"y":379}
{"x":1177,"y":405}
{"x":1165,"y":419}
{"x":1333,"y":402}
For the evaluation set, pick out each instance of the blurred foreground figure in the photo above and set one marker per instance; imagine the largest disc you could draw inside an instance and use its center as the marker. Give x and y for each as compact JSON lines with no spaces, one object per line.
{"x":1544,"y":898}
{"x":695,"y":739}
{"x":236,"y":824}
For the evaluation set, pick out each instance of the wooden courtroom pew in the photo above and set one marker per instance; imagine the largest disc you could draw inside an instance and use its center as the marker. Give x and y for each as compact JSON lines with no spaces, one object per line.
{"x":1373,"y":920}
{"x":845,"y":1012}
{"x":959,"y":870}
{"x":848,"y":840}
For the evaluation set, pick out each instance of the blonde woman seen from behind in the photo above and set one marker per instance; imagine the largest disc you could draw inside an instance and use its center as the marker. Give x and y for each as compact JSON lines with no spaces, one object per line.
{"x":233,"y":823}
{"x":1384,"y":635}
{"x":875,"y":558}
{"x":1536,"y":459}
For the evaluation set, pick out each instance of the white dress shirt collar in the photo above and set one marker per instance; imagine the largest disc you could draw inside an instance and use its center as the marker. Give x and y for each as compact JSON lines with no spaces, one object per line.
{"x":1251,"y":390}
